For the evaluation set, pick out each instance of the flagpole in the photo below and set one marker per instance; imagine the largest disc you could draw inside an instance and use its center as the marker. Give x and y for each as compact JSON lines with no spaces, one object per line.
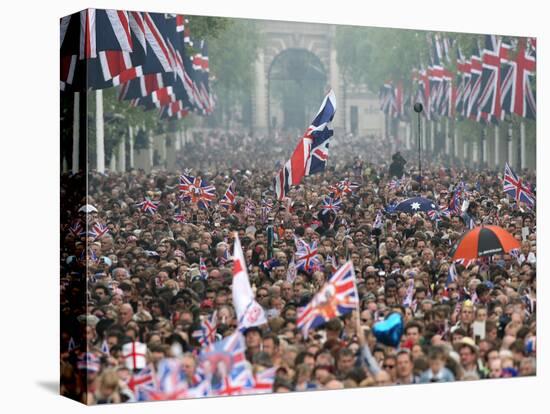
{"x":76,"y":133}
{"x":100,"y":142}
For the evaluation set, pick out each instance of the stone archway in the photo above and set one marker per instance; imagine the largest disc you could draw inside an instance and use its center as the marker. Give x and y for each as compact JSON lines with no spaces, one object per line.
{"x":297,"y":81}
{"x":279,"y":38}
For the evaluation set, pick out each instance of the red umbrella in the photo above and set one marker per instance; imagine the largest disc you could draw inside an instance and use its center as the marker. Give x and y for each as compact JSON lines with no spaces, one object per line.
{"x":484,"y":241}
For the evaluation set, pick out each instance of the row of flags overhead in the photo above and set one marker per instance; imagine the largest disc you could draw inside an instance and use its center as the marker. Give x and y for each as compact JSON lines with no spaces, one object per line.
{"x":150,"y":57}
{"x":494,"y":80}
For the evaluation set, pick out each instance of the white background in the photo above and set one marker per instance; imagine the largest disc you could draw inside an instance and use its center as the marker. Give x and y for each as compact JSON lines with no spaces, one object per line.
{"x":29,"y":132}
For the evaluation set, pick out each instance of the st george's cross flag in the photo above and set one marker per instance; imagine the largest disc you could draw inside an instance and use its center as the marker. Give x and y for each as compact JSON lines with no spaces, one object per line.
{"x":249,"y":312}
{"x":336,"y":298}
{"x":134,"y":355}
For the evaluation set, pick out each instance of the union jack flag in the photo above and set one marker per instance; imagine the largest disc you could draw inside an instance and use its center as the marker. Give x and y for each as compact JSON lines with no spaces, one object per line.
{"x":336,"y":298}
{"x":143,"y":381}
{"x":76,"y":228}
{"x":394,"y":184}
{"x":249,"y":207}
{"x":331,"y":204}
{"x":266,"y":206}
{"x":436,"y":215}
{"x":196,"y":190}
{"x":228,"y":199}
{"x":179,"y":217}
{"x":148,"y":206}
{"x":100,"y":230}
{"x":476,"y":69}
{"x":262,"y":382}
{"x":343,"y":187}
{"x":516,"y":188}
{"x":311,"y":154}
{"x":457,"y":198}
{"x":489,"y":98}
{"x":206,"y":334}
{"x":202,"y":268}
{"x":171,"y":383}
{"x":306,"y":255}
{"x":226,"y":363}
{"x":524,"y":97}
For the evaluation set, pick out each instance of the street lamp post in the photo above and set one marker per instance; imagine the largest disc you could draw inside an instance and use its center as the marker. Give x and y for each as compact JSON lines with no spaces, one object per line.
{"x":418,"y":109}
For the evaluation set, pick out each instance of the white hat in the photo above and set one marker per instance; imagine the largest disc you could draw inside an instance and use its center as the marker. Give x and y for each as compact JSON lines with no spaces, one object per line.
{"x":87,"y":208}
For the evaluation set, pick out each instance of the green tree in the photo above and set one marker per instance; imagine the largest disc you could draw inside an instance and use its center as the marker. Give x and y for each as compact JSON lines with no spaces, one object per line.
{"x":232,"y":55}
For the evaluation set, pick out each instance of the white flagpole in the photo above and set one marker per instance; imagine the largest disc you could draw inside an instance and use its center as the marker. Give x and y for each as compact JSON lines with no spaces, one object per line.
{"x":76,"y":133}
{"x":100,"y":133}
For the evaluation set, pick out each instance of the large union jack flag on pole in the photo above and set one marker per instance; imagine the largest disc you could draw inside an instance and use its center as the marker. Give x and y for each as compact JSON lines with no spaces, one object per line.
{"x":196,"y":190}
{"x":311,"y":154}
{"x":336,"y":298}
{"x":516,"y":188}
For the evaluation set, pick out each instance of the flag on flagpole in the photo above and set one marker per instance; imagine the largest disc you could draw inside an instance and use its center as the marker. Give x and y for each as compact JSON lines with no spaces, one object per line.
{"x":311,"y":154}
{"x":249,"y":312}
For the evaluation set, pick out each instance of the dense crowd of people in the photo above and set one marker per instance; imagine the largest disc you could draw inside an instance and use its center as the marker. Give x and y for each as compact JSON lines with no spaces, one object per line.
{"x":139,"y":278}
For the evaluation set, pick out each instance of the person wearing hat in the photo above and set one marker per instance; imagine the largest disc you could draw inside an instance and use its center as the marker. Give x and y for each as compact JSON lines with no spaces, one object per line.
{"x":468,"y":351}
